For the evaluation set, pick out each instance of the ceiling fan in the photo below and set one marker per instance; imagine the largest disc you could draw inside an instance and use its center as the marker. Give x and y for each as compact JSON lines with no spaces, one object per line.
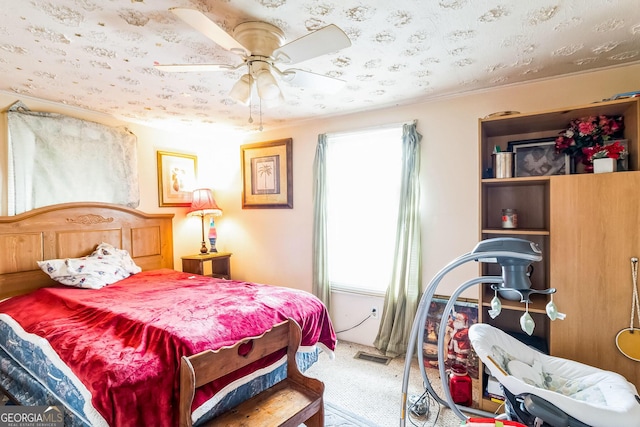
{"x":260,"y":45}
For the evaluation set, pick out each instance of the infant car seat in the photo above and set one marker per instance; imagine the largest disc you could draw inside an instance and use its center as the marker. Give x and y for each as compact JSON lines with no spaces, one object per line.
{"x":560,"y":392}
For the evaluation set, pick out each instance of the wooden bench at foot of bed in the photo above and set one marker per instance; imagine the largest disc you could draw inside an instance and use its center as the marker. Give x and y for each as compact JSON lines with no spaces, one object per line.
{"x":289,"y":403}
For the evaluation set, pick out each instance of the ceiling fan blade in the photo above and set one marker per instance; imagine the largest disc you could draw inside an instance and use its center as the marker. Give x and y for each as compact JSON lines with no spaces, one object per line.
{"x":308,"y":79}
{"x":206,"y":26}
{"x":178,"y":68}
{"x":325,"y":40}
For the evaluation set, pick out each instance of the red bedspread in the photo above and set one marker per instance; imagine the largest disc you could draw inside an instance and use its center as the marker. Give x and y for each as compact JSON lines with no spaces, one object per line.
{"x":124,"y":341}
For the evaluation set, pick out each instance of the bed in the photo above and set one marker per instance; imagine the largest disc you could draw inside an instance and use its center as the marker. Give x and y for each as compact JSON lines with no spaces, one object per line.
{"x":111,"y":355}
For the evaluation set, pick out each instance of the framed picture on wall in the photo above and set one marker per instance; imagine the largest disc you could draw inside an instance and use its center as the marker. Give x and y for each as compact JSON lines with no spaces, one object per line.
{"x":176,"y":178}
{"x":267,"y":177}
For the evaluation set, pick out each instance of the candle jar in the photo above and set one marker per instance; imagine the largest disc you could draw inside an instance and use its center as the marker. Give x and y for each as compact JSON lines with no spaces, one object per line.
{"x":509,"y":218}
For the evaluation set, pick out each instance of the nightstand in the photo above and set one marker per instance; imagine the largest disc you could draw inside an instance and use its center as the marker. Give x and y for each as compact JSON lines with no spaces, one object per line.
{"x":220,"y":264}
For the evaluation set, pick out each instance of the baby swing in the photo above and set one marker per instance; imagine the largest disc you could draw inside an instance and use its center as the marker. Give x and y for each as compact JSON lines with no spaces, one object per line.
{"x":541,"y":390}
{"x":558,"y":391}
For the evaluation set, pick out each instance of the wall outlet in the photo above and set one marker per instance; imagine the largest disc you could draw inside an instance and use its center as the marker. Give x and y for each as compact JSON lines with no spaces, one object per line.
{"x":374,"y":312}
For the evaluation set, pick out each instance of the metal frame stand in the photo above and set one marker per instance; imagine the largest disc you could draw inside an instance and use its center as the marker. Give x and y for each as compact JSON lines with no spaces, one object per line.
{"x":421,"y":317}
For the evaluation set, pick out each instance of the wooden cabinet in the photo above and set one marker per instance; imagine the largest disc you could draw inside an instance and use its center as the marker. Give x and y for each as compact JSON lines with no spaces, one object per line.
{"x":219,"y":264}
{"x":577,"y":236}
{"x":592,"y":245}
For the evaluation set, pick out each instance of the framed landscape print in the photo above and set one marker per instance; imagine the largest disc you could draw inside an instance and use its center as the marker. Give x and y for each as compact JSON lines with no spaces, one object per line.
{"x":176,"y":178}
{"x":267,"y":177}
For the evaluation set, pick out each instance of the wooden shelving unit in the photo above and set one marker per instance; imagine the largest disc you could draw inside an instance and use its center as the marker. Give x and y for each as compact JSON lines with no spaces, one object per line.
{"x":539,"y":216}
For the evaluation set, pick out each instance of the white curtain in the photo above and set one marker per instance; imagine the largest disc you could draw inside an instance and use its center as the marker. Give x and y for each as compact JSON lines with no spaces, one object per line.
{"x":321,"y":286}
{"x":53,"y":158}
{"x":401,"y":299}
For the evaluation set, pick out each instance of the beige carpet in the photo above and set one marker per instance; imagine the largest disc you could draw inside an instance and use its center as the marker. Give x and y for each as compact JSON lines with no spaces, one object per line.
{"x":373,"y":391}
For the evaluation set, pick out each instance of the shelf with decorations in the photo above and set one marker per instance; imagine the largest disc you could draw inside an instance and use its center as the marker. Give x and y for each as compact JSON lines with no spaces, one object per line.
{"x":499,"y":131}
{"x":527,"y":191}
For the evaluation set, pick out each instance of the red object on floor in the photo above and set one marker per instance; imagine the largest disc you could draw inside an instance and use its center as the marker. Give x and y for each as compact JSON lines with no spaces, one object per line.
{"x":460,"y":385}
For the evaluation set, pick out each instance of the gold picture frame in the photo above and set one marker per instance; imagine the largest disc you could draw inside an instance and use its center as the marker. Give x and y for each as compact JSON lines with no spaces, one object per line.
{"x":176,"y":178}
{"x":267,"y":176}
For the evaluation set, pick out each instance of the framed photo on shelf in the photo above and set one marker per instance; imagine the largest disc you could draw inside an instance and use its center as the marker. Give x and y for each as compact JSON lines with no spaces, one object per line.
{"x":176,"y":178}
{"x":267,"y":176}
{"x":538,"y":157}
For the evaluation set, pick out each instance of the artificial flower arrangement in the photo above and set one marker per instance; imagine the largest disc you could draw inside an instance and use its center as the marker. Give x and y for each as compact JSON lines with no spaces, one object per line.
{"x":588,"y":132}
{"x":611,"y":151}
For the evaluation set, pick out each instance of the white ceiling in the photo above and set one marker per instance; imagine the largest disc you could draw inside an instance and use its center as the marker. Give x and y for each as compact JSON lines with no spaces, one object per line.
{"x":99,"y":54}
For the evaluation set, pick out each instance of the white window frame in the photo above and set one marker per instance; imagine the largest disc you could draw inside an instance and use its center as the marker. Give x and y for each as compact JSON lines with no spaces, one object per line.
{"x":366,"y":204}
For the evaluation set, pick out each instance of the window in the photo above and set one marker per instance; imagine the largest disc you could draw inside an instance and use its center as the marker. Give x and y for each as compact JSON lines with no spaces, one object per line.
{"x":363,"y":171}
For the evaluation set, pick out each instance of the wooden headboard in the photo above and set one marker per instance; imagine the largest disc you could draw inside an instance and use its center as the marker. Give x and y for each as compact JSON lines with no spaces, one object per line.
{"x":72,"y":230}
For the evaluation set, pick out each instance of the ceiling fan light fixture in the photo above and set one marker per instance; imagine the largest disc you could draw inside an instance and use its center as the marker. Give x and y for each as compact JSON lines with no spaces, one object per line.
{"x":241,"y":90}
{"x":267,"y":86}
{"x":262,"y":46}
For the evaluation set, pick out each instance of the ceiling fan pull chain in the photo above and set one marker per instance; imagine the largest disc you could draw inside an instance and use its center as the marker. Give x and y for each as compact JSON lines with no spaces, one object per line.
{"x":250,"y":94}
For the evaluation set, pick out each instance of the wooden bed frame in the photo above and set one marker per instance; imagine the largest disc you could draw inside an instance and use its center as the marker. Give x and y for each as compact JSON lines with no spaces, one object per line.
{"x":72,"y":230}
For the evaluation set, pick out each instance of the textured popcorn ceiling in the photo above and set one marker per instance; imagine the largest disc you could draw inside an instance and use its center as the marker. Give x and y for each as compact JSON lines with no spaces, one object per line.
{"x":99,"y":54}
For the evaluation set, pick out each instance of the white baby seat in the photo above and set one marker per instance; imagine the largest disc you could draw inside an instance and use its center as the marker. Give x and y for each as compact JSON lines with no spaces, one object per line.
{"x":595,"y":397}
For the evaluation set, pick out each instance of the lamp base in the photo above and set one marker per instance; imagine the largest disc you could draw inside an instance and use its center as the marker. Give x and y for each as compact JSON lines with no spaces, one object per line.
{"x":212,"y":243}
{"x":203,"y":248}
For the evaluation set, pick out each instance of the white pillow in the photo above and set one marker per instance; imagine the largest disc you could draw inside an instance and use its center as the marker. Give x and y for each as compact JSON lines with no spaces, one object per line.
{"x":105,"y":251}
{"x":106,"y":265}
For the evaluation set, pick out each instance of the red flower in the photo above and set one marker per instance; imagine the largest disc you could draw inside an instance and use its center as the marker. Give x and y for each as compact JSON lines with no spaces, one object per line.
{"x":586,"y":128}
{"x":612,"y":151}
{"x":588,"y":132}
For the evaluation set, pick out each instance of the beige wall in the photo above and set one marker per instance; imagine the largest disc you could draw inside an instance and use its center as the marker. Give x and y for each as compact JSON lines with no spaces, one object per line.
{"x":274,"y":245}
{"x":449,"y":178}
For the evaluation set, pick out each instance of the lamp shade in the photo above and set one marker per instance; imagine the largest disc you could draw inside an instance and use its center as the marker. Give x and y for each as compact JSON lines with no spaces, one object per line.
{"x":203,"y":203}
{"x":241,"y":91}
{"x":267,"y":85}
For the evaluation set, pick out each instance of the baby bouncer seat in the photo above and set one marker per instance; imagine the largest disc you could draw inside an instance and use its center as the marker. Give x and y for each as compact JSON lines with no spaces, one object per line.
{"x":559,"y":392}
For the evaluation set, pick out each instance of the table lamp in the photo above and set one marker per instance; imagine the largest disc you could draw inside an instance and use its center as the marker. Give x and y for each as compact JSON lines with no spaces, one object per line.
{"x":203,"y":204}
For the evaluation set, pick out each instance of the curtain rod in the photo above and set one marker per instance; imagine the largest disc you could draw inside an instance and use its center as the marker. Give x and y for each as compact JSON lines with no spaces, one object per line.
{"x":370,"y":128}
